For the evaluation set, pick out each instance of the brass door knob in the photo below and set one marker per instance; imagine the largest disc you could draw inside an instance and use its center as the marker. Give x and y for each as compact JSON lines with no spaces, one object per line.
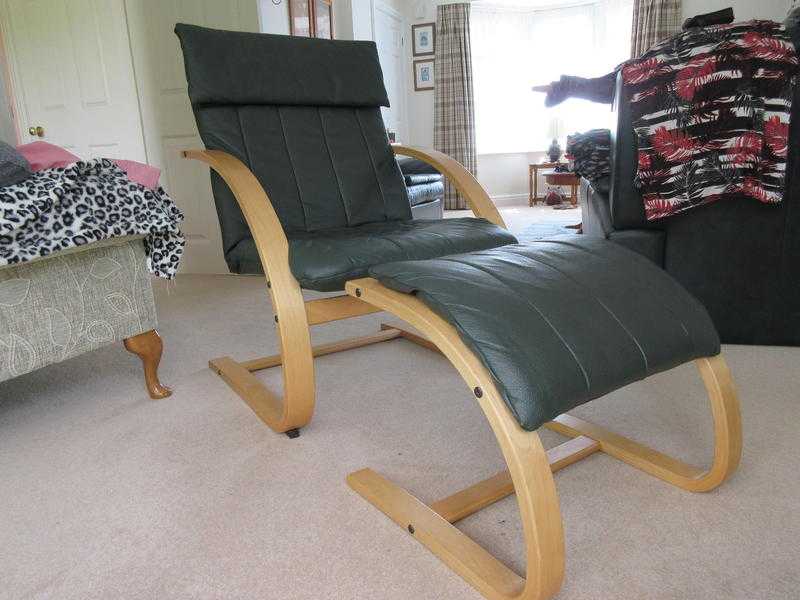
{"x":37,"y":131}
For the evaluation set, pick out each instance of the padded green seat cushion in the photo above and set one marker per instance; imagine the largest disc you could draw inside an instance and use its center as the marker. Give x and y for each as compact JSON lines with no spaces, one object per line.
{"x":560,"y":322}
{"x":326,"y":260}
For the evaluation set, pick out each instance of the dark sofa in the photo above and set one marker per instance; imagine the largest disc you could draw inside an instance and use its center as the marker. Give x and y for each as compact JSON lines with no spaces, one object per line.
{"x":425,"y":187}
{"x":740,"y":258}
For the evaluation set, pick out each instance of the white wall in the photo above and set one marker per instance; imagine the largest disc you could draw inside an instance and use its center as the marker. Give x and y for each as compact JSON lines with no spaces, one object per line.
{"x":361,"y":15}
{"x":274,"y":19}
{"x":8,"y":131}
{"x":505,"y":176}
{"x":742,"y":9}
{"x":420,"y":104}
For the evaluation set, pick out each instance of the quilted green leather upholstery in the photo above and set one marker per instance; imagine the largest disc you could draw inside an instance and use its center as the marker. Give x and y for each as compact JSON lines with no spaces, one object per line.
{"x":304,"y":116}
{"x":325,"y":261}
{"x":563,"y":321}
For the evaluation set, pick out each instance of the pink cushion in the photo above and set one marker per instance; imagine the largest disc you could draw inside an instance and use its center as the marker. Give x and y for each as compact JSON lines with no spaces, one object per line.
{"x":42,"y":155}
{"x":140,"y":173}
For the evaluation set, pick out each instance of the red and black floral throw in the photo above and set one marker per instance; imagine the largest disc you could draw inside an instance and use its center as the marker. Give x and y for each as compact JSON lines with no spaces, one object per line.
{"x":711,"y":108}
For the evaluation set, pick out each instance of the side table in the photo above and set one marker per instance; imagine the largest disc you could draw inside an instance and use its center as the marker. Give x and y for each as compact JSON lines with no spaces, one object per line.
{"x":533,"y":180}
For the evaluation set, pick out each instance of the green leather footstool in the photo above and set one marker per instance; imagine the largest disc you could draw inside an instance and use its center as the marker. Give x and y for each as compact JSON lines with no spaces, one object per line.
{"x":536,"y":330}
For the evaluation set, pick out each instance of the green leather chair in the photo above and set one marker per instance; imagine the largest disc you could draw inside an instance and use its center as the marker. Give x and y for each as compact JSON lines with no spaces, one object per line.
{"x":308,"y":190}
{"x":294,"y":133}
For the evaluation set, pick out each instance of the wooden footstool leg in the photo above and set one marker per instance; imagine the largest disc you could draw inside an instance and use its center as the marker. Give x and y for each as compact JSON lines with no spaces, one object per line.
{"x":148,"y":346}
{"x":529,"y":475}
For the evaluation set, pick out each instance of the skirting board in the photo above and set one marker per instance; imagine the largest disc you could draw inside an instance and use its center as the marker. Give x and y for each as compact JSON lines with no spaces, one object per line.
{"x":510,"y":199}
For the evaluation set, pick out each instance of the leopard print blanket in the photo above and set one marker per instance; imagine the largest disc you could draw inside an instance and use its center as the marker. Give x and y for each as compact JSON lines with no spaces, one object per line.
{"x":86,"y":202}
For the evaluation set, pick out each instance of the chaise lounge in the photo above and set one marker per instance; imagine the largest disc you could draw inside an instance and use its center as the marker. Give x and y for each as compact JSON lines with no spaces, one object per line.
{"x":293,"y":133}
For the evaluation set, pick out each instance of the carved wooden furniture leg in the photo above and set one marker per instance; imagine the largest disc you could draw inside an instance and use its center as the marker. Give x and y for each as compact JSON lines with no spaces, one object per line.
{"x":530,"y":468}
{"x":148,"y":347}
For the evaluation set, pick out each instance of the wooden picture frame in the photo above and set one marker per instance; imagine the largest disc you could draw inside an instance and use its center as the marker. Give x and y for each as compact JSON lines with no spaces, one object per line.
{"x":423,"y":38}
{"x":311,"y":18}
{"x":323,"y":19}
{"x":424,"y":74}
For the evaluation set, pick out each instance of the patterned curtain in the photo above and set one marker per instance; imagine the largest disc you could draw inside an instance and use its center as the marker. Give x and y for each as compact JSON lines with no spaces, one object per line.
{"x":454,"y":106}
{"x":653,"y":22}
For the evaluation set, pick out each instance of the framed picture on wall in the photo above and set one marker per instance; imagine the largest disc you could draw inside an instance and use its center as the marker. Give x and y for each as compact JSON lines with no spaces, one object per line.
{"x":423,"y":75}
{"x":300,"y":17}
{"x":323,"y":19}
{"x":311,"y":18}
{"x":424,"y":39}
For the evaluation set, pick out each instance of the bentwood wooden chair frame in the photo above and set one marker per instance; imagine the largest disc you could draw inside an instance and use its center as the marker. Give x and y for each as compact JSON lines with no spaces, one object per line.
{"x":292,"y":314}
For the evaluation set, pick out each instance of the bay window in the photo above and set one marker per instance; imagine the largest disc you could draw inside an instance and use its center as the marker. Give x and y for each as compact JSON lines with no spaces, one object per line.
{"x":517,"y":44}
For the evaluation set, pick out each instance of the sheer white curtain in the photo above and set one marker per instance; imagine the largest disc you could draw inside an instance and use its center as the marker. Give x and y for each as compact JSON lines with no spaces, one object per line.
{"x":519,"y":44}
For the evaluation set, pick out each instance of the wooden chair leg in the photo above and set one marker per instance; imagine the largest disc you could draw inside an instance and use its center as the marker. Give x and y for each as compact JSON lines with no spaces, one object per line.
{"x":295,"y":409}
{"x":148,"y":347}
{"x":299,"y":405}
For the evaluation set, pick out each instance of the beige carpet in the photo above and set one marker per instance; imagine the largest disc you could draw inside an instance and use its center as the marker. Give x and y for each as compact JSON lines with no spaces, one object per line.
{"x":105,"y":494}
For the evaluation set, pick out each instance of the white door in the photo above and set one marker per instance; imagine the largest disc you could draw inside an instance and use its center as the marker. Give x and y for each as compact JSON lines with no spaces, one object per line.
{"x":169,"y":126}
{"x":73,"y":75}
{"x":389,"y":28}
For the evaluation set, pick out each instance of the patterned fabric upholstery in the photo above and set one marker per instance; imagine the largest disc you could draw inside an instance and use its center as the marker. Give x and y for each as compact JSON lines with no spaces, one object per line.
{"x":62,"y":306}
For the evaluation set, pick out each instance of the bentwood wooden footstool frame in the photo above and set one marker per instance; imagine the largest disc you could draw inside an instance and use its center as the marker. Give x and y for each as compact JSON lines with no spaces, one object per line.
{"x":530,"y":467}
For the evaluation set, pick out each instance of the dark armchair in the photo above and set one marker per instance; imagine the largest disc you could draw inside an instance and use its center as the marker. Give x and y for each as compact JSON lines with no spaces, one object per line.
{"x":740,"y":258}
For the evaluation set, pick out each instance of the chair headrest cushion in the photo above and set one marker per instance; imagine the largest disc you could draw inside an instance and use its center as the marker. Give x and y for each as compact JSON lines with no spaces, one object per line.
{"x":240,"y":68}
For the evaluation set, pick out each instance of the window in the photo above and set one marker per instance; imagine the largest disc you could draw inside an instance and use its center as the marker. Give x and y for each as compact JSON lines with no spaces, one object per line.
{"x":518,"y":45}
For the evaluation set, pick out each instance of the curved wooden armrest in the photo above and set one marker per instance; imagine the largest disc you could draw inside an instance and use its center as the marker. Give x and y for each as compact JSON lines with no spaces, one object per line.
{"x":463,"y":180}
{"x":268,"y":234}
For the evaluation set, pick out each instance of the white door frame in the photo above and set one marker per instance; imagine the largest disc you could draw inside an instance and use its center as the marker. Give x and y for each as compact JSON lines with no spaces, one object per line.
{"x":405,"y":71}
{"x":15,"y":89}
